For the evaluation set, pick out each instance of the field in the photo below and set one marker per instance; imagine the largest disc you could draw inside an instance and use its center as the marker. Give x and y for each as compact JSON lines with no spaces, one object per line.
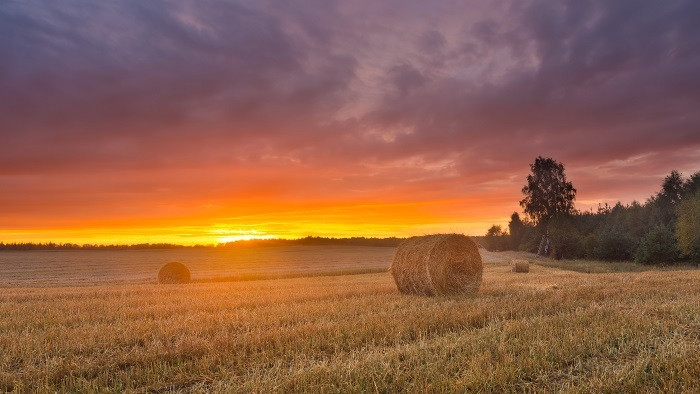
{"x":548,"y":330}
{"x":99,"y":267}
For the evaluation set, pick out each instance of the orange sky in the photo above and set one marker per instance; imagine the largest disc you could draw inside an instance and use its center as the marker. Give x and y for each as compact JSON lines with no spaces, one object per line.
{"x":222,"y":205}
{"x":130,"y":122}
{"x":220,"y":208}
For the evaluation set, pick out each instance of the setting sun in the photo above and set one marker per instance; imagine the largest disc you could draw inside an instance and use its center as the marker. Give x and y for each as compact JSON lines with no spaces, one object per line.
{"x":229,"y":235}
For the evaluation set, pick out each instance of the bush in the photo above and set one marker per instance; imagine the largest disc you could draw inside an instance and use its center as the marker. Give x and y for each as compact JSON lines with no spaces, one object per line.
{"x":613,"y":244}
{"x":657,"y":246}
{"x":565,"y":240}
{"x":688,"y":227}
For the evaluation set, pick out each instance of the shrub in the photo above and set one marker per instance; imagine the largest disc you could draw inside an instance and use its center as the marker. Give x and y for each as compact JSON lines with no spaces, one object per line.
{"x":613,"y":244}
{"x":657,"y":246}
{"x":688,"y":227}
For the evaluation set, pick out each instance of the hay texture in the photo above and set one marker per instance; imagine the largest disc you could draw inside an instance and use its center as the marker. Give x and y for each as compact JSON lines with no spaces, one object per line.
{"x":174,"y":273}
{"x":521,"y":266}
{"x":441,"y":264}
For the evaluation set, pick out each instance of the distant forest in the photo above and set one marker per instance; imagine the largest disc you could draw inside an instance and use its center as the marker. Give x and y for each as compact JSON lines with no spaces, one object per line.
{"x":310,"y":241}
{"x":664,"y":229}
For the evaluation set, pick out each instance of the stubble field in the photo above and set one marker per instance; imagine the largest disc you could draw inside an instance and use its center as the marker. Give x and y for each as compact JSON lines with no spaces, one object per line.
{"x":548,"y":330}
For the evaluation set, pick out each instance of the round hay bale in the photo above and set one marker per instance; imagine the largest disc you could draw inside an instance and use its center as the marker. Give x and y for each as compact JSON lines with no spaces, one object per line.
{"x":521,"y":266}
{"x":440,"y":264}
{"x":174,"y":273}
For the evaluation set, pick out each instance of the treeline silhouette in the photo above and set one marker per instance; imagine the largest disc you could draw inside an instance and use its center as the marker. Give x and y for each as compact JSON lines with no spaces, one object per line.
{"x":664,"y":229}
{"x":314,"y":241}
{"x":310,"y":241}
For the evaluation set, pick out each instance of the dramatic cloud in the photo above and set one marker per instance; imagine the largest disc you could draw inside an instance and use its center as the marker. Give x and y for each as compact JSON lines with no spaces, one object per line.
{"x":368,"y":117}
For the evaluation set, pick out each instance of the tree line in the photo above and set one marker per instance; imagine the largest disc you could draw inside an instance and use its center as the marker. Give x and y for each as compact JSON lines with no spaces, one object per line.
{"x":664,"y":229}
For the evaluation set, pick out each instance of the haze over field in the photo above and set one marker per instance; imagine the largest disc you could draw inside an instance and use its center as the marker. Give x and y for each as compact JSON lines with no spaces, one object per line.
{"x":210,"y":121}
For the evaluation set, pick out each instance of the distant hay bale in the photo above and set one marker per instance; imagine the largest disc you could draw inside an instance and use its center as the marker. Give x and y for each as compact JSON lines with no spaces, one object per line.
{"x":521,"y":266}
{"x":174,"y":273}
{"x":440,"y":264}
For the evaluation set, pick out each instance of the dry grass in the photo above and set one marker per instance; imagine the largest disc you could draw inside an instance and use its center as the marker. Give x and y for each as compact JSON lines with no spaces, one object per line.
{"x":550,"y":330}
{"x":601,"y":267}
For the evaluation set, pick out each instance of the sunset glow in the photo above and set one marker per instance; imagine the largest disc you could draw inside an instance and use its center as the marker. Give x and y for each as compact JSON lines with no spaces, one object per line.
{"x":180,"y":123}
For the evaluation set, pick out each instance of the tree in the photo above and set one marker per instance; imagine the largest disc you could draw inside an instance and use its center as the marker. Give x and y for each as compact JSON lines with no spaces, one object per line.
{"x":547,"y":192}
{"x":516,"y":228}
{"x":658,"y":246}
{"x":495,"y":231}
{"x":688,"y":227}
{"x":692,"y":185}
{"x":614,"y":244}
{"x":672,"y":188}
{"x":566,"y":241}
{"x":496,"y":239}
{"x":668,"y":197}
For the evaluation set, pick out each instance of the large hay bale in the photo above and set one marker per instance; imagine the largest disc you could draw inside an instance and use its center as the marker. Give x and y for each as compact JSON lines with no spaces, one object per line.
{"x":440,"y":264}
{"x":174,"y":273}
{"x":521,"y":266}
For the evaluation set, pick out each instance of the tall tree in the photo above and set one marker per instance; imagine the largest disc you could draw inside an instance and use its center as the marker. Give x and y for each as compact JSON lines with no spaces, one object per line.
{"x":495,"y":231}
{"x":692,"y":185}
{"x":672,"y":188}
{"x":547,"y":192}
{"x":666,"y":200}
{"x":688,"y":227}
{"x":496,"y":239}
{"x":516,"y":228}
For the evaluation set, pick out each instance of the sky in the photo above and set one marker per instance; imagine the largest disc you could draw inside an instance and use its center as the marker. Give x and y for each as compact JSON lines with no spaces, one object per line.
{"x":209,"y":121}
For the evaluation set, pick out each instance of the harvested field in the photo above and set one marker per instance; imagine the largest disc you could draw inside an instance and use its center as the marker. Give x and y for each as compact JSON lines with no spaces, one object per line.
{"x":99,"y":267}
{"x":70,"y":268}
{"x":550,"y":330}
